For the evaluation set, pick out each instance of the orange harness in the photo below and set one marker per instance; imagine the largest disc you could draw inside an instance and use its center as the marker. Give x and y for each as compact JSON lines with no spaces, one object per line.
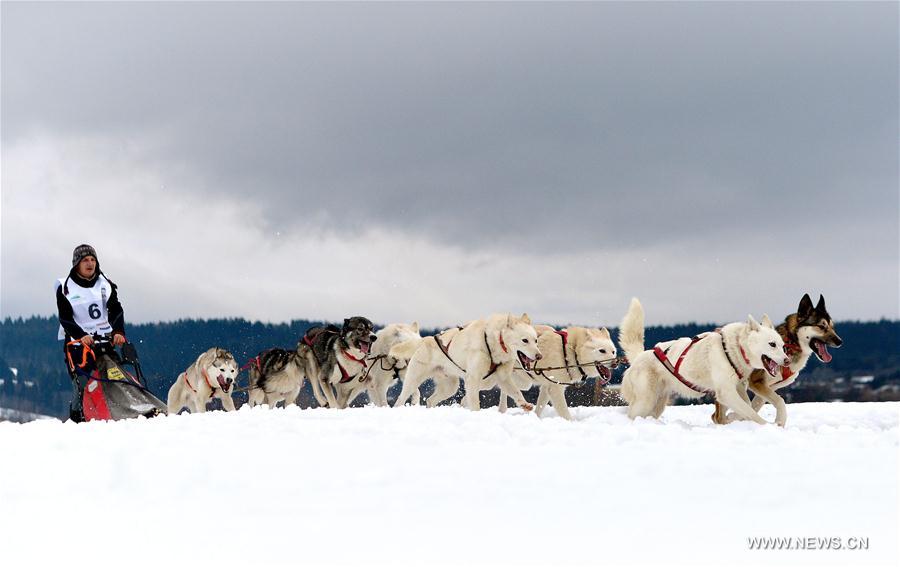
{"x":205,"y":377}
{"x":86,"y":350}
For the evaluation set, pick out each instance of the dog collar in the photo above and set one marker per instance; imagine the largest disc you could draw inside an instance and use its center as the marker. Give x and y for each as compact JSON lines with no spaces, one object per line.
{"x":503,"y":344}
{"x":791,"y":349}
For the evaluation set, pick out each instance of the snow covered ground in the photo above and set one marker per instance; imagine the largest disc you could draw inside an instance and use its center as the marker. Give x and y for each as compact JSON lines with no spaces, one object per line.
{"x":448,"y":486}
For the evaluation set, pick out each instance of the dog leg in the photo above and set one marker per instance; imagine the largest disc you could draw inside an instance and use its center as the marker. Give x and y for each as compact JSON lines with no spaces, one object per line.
{"x":445,"y":386}
{"x":472,"y":385}
{"x":290,"y":398}
{"x":175,"y":400}
{"x":661,"y":402}
{"x":342,"y":399}
{"x":227,"y":402}
{"x":317,"y":391}
{"x":645,"y":390}
{"x":508,"y":388}
{"x":502,"y":405}
{"x":382,"y":390}
{"x":763,"y":391}
{"x":415,"y":373}
{"x":718,"y":415}
{"x":731,"y":398}
{"x":558,"y":398}
{"x":255,"y":396}
{"x":328,"y":390}
{"x":758,"y":402}
{"x":374,"y":391}
{"x":543,"y":398}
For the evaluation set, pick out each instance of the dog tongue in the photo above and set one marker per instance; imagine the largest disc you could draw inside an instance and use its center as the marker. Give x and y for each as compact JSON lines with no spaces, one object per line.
{"x":823,"y":351}
{"x":221,"y":380}
{"x":364,"y":347}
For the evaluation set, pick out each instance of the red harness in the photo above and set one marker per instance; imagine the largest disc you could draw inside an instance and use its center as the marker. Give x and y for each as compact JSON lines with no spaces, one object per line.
{"x":251,"y":363}
{"x":345,"y":377}
{"x":664,"y":359}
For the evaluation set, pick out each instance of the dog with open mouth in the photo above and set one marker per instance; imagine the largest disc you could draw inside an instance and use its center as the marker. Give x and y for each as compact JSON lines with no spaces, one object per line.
{"x":808,"y":331}
{"x":572,"y":355}
{"x":212,"y":375}
{"x":718,"y":363}
{"x":384,"y":370}
{"x":335,"y":356}
{"x":483,"y":353}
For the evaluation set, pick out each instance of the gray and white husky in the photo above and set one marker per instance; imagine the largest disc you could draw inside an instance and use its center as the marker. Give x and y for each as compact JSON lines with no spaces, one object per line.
{"x":324,"y":355}
{"x":335,"y":356}
{"x":210,"y":376}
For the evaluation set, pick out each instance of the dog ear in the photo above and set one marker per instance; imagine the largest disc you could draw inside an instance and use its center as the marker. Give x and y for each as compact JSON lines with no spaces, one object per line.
{"x":509,"y":320}
{"x":415,"y":326}
{"x":206,"y":359}
{"x":806,"y":307}
{"x":754,"y":326}
{"x":605,"y":332}
{"x":820,"y":306}
{"x":526,"y":319}
{"x":766,"y":322}
{"x":346,"y":322}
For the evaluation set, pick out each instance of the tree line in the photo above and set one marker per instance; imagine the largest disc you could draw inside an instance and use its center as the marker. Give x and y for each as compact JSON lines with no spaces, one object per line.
{"x":41,"y":384}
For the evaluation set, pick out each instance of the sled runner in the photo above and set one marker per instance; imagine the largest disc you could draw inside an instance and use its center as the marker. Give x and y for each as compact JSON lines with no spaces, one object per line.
{"x":105,"y":388}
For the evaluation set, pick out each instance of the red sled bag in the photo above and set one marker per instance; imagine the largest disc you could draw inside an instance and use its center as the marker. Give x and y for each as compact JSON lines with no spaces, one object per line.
{"x":108,"y":389}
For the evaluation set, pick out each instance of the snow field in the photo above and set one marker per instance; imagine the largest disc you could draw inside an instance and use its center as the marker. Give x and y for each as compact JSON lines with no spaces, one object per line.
{"x":446,"y":486}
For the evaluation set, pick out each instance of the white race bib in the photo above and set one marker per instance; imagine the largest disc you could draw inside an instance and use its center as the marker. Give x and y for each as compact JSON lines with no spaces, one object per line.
{"x":88,"y":305}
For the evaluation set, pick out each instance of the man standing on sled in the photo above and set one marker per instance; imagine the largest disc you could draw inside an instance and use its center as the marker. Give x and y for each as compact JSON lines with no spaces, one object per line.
{"x":88,"y":305}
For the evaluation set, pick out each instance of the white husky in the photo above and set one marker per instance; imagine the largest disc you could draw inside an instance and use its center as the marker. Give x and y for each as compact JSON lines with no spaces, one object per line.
{"x":483,"y":353}
{"x":718,"y":362}
{"x":571,"y":356}
{"x":383,"y":369}
{"x":210,"y":376}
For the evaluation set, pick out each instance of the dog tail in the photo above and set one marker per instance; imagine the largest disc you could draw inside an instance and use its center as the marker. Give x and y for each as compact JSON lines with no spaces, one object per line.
{"x":406,"y":349}
{"x":631,"y":332}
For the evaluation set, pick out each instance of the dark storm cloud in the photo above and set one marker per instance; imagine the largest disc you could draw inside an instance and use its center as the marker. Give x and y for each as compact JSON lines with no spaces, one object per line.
{"x":474,"y":119}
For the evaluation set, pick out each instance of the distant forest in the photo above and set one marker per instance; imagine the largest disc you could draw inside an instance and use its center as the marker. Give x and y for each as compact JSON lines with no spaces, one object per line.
{"x":866,"y":368}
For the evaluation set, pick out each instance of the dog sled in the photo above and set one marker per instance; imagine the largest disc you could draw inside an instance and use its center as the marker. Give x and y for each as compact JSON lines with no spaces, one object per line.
{"x":105,"y":387}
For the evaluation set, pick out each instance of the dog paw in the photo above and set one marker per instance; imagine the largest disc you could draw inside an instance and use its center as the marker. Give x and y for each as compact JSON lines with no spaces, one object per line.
{"x":526,"y":407}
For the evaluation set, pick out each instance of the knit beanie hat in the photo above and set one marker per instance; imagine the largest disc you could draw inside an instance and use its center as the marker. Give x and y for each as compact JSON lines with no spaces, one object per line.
{"x":81,"y":252}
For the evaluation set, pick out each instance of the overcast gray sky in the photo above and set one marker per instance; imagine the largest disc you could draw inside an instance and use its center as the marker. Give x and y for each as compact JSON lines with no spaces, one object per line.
{"x":439,"y":162}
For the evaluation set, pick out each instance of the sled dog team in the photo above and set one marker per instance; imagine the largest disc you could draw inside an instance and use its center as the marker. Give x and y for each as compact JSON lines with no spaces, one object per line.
{"x":506,"y":351}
